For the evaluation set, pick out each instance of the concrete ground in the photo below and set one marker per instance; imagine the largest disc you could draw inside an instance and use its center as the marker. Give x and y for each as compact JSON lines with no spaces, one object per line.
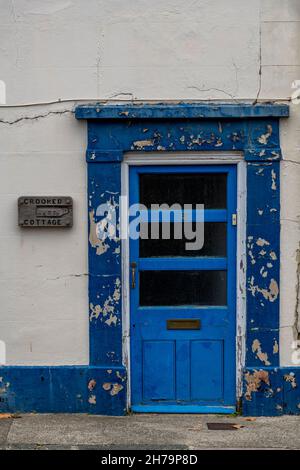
{"x":146,"y":431}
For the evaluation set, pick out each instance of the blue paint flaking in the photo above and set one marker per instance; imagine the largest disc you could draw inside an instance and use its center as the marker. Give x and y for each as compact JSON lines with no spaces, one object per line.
{"x":62,"y":389}
{"x":271,"y":391}
{"x":113,"y":130}
{"x":180,"y":111}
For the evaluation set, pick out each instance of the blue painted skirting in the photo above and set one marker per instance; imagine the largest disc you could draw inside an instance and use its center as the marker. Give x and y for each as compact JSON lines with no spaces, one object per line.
{"x":63,"y":389}
{"x":190,"y":409}
{"x":268,"y":391}
{"x":271,"y":391}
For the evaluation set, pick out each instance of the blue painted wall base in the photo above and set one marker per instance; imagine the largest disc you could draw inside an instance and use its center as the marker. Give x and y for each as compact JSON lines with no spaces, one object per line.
{"x":63,"y":389}
{"x":268,"y":391}
{"x":271,"y":391}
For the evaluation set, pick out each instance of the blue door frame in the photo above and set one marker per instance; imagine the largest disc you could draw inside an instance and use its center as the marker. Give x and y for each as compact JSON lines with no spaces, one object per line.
{"x":176,"y":371}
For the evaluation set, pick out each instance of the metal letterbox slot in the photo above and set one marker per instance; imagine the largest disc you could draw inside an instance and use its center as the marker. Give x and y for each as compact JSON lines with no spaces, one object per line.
{"x":183,"y":324}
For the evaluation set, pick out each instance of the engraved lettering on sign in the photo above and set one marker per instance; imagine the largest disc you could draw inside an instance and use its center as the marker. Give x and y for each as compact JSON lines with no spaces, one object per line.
{"x":45,"y":211}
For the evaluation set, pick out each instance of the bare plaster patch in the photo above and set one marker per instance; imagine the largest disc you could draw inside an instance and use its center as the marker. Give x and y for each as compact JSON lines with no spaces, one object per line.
{"x":92,"y":384}
{"x":275,"y":347}
{"x":254,"y":381}
{"x":140,"y":144}
{"x":112,"y":387}
{"x":262,"y":242}
{"x":95,"y":242}
{"x":291,"y":379}
{"x":256,"y":348}
{"x":270,"y":294}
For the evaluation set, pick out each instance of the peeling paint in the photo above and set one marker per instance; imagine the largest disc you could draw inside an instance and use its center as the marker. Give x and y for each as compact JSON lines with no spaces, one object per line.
{"x":291,"y":379}
{"x":112,"y":320}
{"x":4,"y":386}
{"x":256,"y":348}
{"x":262,"y":242}
{"x":263,"y":272}
{"x":140,"y":144}
{"x":106,"y":312}
{"x":263,"y":139}
{"x":273,"y":176}
{"x":250,"y":253}
{"x":254,"y":381}
{"x":120,"y":376}
{"x":92,"y":384}
{"x":219,"y":143}
{"x":275,"y":347}
{"x":112,"y":387}
{"x":92,"y":400}
{"x":296,"y":325}
{"x":95,"y":242}
{"x":270,"y":294}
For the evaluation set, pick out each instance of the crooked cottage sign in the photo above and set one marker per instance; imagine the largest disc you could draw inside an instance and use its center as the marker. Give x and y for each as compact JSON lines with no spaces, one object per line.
{"x":45,"y":211}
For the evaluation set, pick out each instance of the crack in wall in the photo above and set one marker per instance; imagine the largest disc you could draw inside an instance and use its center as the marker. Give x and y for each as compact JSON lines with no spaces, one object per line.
{"x":122,"y":93}
{"x":285,"y":219}
{"x":98,"y":62}
{"x":66,"y":276}
{"x":290,"y":161}
{"x":33,"y":118}
{"x":296,"y":329}
{"x":260,"y":61}
{"x":213,"y":89}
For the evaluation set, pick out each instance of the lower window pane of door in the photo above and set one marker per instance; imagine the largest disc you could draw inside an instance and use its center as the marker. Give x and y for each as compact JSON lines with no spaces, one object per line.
{"x":214,"y":242}
{"x":163,"y":288}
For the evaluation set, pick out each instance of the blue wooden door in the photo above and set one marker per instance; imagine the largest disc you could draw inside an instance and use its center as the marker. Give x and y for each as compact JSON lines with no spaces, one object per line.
{"x":183,"y":302}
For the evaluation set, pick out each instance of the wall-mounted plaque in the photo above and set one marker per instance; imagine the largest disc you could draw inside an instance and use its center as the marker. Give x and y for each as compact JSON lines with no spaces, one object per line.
{"x":45,"y":211}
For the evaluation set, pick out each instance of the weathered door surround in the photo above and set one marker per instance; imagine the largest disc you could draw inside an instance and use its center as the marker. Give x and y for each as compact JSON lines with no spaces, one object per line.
{"x":100,"y":387}
{"x":182,"y":344}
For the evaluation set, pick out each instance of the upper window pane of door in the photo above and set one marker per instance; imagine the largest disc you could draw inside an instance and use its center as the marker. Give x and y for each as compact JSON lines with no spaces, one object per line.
{"x":209,"y":189}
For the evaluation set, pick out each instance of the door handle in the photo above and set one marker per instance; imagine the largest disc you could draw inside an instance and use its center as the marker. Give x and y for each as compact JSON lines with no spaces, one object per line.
{"x":133,"y":266}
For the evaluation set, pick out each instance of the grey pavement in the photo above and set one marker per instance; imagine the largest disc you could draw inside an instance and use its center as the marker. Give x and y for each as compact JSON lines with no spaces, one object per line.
{"x":146,"y":431}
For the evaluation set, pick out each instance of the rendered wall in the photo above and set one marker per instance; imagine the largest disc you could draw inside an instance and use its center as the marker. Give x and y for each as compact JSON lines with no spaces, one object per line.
{"x":171,"y":50}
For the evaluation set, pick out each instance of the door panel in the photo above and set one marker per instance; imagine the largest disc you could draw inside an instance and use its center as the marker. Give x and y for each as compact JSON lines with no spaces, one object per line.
{"x":187,"y":365}
{"x":207,"y":375}
{"x":159,"y":370}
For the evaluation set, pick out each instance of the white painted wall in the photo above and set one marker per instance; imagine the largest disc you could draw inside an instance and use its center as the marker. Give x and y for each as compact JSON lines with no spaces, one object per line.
{"x":78,"y":50}
{"x":43,"y":282}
